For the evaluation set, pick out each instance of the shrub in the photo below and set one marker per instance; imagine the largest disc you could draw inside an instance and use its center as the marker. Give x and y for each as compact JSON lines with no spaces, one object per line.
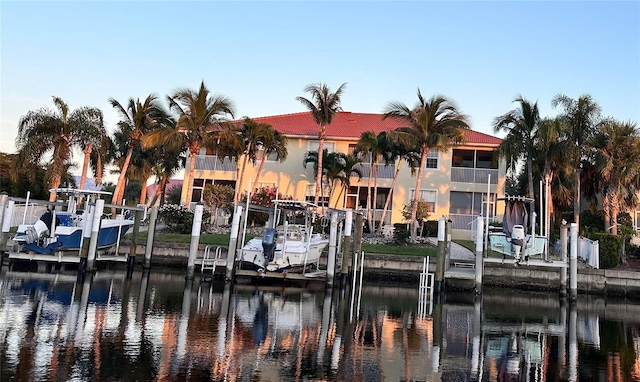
{"x":610,"y":249}
{"x":401,"y":234}
{"x":430,"y":228}
{"x":179,"y":219}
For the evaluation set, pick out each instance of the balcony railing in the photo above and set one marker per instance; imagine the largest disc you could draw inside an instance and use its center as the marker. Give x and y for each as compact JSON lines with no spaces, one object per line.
{"x":473,"y":175}
{"x":215,"y":163}
{"x":384,"y":171}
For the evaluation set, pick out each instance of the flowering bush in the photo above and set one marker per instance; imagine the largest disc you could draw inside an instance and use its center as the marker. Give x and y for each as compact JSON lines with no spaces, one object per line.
{"x":263,"y":196}
{"x":179,"y":219}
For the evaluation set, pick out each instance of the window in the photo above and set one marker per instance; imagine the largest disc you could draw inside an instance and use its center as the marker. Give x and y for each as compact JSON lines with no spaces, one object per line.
{"x":486,"y":159}
{"x":468,"y":203}
{"x":463,"y":158}
{"x":474,"y":159}
{"x":198,"y":187}
{"x":429,"y":196}
{"x":330,"y":146}
{"x":432,"y":159}
{"x":271,"y":157}
{"x":310,"y":197}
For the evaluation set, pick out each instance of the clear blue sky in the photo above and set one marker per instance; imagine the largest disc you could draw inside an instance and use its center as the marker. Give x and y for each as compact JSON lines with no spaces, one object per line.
{"x":262,"y":54}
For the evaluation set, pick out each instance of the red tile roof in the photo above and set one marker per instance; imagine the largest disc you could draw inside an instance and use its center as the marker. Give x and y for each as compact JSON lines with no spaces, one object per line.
{"x":350,"y":125}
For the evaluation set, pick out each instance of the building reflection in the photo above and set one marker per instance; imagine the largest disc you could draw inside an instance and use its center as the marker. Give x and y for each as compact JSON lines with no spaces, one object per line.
{"x":156,"y":327}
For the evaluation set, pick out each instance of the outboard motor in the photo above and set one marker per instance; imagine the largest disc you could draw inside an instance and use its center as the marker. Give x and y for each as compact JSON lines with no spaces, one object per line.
{"x":517,"y":240}
{"x":269,"y":243}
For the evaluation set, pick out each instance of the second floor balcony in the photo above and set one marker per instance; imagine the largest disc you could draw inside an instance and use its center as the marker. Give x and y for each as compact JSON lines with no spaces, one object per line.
{"x":215,"y":163}
{"x":473,"y":175}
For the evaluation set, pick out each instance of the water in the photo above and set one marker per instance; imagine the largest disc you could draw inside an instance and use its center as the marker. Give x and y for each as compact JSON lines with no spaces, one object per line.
{"x":156,"y":327}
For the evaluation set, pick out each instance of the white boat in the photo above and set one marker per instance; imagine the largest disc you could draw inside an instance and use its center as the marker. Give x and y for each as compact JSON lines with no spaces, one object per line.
{"x":291,"y":244}
{"x":62,"y":231}
{"x":513,"y":240}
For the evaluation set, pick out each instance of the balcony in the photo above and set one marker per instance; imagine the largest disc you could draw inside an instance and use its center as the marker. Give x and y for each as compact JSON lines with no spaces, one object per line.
{"x":384,"y":171}
{"x":473,"y":175}
{"x":215,"y":163}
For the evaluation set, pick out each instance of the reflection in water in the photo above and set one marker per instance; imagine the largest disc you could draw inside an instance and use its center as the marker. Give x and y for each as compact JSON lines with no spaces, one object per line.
{"x":159,"y":327}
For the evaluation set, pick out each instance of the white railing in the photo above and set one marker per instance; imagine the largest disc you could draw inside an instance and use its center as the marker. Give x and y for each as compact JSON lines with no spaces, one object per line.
{"x":473,"y":175}
{"x":215,"y":163}
{"x":589,"y":251}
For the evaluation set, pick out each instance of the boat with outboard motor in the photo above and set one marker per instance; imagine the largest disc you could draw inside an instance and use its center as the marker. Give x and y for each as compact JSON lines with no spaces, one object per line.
{"x":292,"y":244}
{"x":513,"y":240}
{"x":64,"y":231}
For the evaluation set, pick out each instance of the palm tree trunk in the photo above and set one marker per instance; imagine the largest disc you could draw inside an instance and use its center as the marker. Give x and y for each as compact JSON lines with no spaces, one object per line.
{"x":192,"y":170}
{"x":99,"y":172}
{"x":576,"y":195}
{"x":143,"y":191}
{"x":606,"y":209}
{"x":240,"y":180}
{"x":159,"y":190}
{"x":416,"y":193}
{"x":260,"y":167}
{"x":85,"y":166}
{"x":615,"y":207}
{"x":54,"y":183}
{"x":375,"y":194}
{"x":388,"y":201}
{"x":369,"y":220}
{"x":117,"y":199}
{"x":340,"y":195}
{"x":531,"y":188}
{"x":323,"y":134}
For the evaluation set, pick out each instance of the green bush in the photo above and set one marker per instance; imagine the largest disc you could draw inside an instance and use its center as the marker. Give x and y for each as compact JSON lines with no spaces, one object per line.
{"x":401,"y":234}
{"x":179,"y":219}
{"x":610,"y":249}
{"x":430,"y":228}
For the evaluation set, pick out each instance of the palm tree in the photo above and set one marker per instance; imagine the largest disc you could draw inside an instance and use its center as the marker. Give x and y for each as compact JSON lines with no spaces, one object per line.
{"x":350,"y":168}
{"x":617,"y":147}
{"x":398,"y":152}
{"x":581,"y":117}
{"x":91,"y":139}
{"x":202,"y":117}
{"x":253,"y":135}
{"x":371,"y":144}
{"x":136,"y":120}
{"x":549,"y":151}
{"x":275,"y":144}
{"x":101,"y":155}
{"x":432,"y":124}
{"x":323,"y":106}
{"x":58,"y":131}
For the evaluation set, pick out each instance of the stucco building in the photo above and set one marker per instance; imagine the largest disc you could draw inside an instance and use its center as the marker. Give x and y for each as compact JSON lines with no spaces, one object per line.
{"x":454,"y":182}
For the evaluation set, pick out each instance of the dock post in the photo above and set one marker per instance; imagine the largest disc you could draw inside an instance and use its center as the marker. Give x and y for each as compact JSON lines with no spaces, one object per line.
{"x":151,"y":234}
{"x":357,"y":242}
{"x":479,"y":250}
{"x":142,"y":296}
{"x":134,"y":243}
{"x":3,"y":236}
{"x":573,"y":341}
{"x":195,"y":239}
{"x":95,"y":230}
{"x":573,"y":263}
{"x":333,"y":242}
{"x":346,"y":247}
{"x":476,"y":345}
{"x":442,"y":249}
{"x":563,"y":253}
{"x":447,"y":259}
{"x":7,"y":213}
{"x":233,"y":243}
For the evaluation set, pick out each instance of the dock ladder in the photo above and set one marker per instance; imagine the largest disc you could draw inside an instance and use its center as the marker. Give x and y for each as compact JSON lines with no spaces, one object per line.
{"x":425,"y":290}
{"x":210,"y":262}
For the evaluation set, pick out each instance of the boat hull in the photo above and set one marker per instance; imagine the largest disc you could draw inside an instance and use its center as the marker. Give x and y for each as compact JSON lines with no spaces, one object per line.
{"x":295,"y":254}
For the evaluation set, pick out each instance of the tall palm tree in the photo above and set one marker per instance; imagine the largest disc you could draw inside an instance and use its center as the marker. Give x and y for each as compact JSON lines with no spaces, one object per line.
{"x":372,"y":145}
{"x":275,"y":144}
{"x":200,"y":115}
{"x":434,"y":124}
{"x":350,"y":168}
{"x":581,"y":116}
{"x":91,"y":139}
{"x":323,"y":105}
{"x":56,"y":131}
{"x":253,"y":135}
{"x":101,"y":155}
{"x":617,"y":147}
{"x":549,"y":151}
{"x":136,"y":119}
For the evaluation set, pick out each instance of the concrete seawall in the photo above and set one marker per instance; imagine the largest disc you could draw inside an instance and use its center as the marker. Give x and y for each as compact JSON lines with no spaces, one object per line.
{"x":395,"y":268}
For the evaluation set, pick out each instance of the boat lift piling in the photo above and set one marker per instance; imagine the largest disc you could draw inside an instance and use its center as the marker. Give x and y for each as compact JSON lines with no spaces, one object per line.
{"x":573,"y":262}
{"x":151,"y":232}
{"x":563,"y":252}
{"x":233,"y":244}
{"x":479,"y":255}
{"x":95,"y":229}
{"x":346,"y":247}
{"x":195,"y":239}
{"x":333,"y":240}
{"x":3,"y":236}
{"x":134,"y":243}
{"x":8,"y":207}
{"x":357,"y":243}
{"x":442,"y":249}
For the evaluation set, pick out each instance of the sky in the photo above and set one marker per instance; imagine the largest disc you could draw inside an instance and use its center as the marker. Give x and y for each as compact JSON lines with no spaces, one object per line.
{"x":261,"y":55}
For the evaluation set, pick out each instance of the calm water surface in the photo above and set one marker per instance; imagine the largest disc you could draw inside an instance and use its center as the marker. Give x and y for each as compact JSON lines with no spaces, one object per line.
{"x":158,"y":327}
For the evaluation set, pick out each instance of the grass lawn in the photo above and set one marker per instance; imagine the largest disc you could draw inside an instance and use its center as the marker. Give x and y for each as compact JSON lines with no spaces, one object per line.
{"x":223,"y":240}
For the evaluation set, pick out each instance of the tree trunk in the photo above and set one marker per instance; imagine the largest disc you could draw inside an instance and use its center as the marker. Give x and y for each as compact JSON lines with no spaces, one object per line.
{"x":143,"y":191}
{"x":531,"y":190}
{"x":117,"y":199}
{"x":240,"y":179}
{"x":375,"y":193}
{"x":54,"y":183}
{"x":192,"y":170}
{"x":416,"y":194}
{"x":99,"y":172}
{"x":264,"y":156}
{"x":386,"y":203}
{"x":369,"y":220}
{"x":85,"y":166}
{"x":576,"y":195}
{"x":323,"y":134}
{"x":159,"y":190}
{"x":606,"y":210}
{"x":615,"y":207}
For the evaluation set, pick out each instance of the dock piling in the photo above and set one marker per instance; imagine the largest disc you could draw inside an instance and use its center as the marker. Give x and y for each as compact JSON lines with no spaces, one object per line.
{"x":134,"y":243}
{"x":95,"y":230}
{"x":346,"y":247}
{"x":573,"y":263}
{"x":563,"y":252}
{"x":7,"y":208}
{"x":333,"y":240}
{"x":442,"y":249}
{"x":195,"y":240}
{"x":151,"y":233}
{"x":479,"y":252}
{"x":233,"y":243}
{"x":357,"y":242}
